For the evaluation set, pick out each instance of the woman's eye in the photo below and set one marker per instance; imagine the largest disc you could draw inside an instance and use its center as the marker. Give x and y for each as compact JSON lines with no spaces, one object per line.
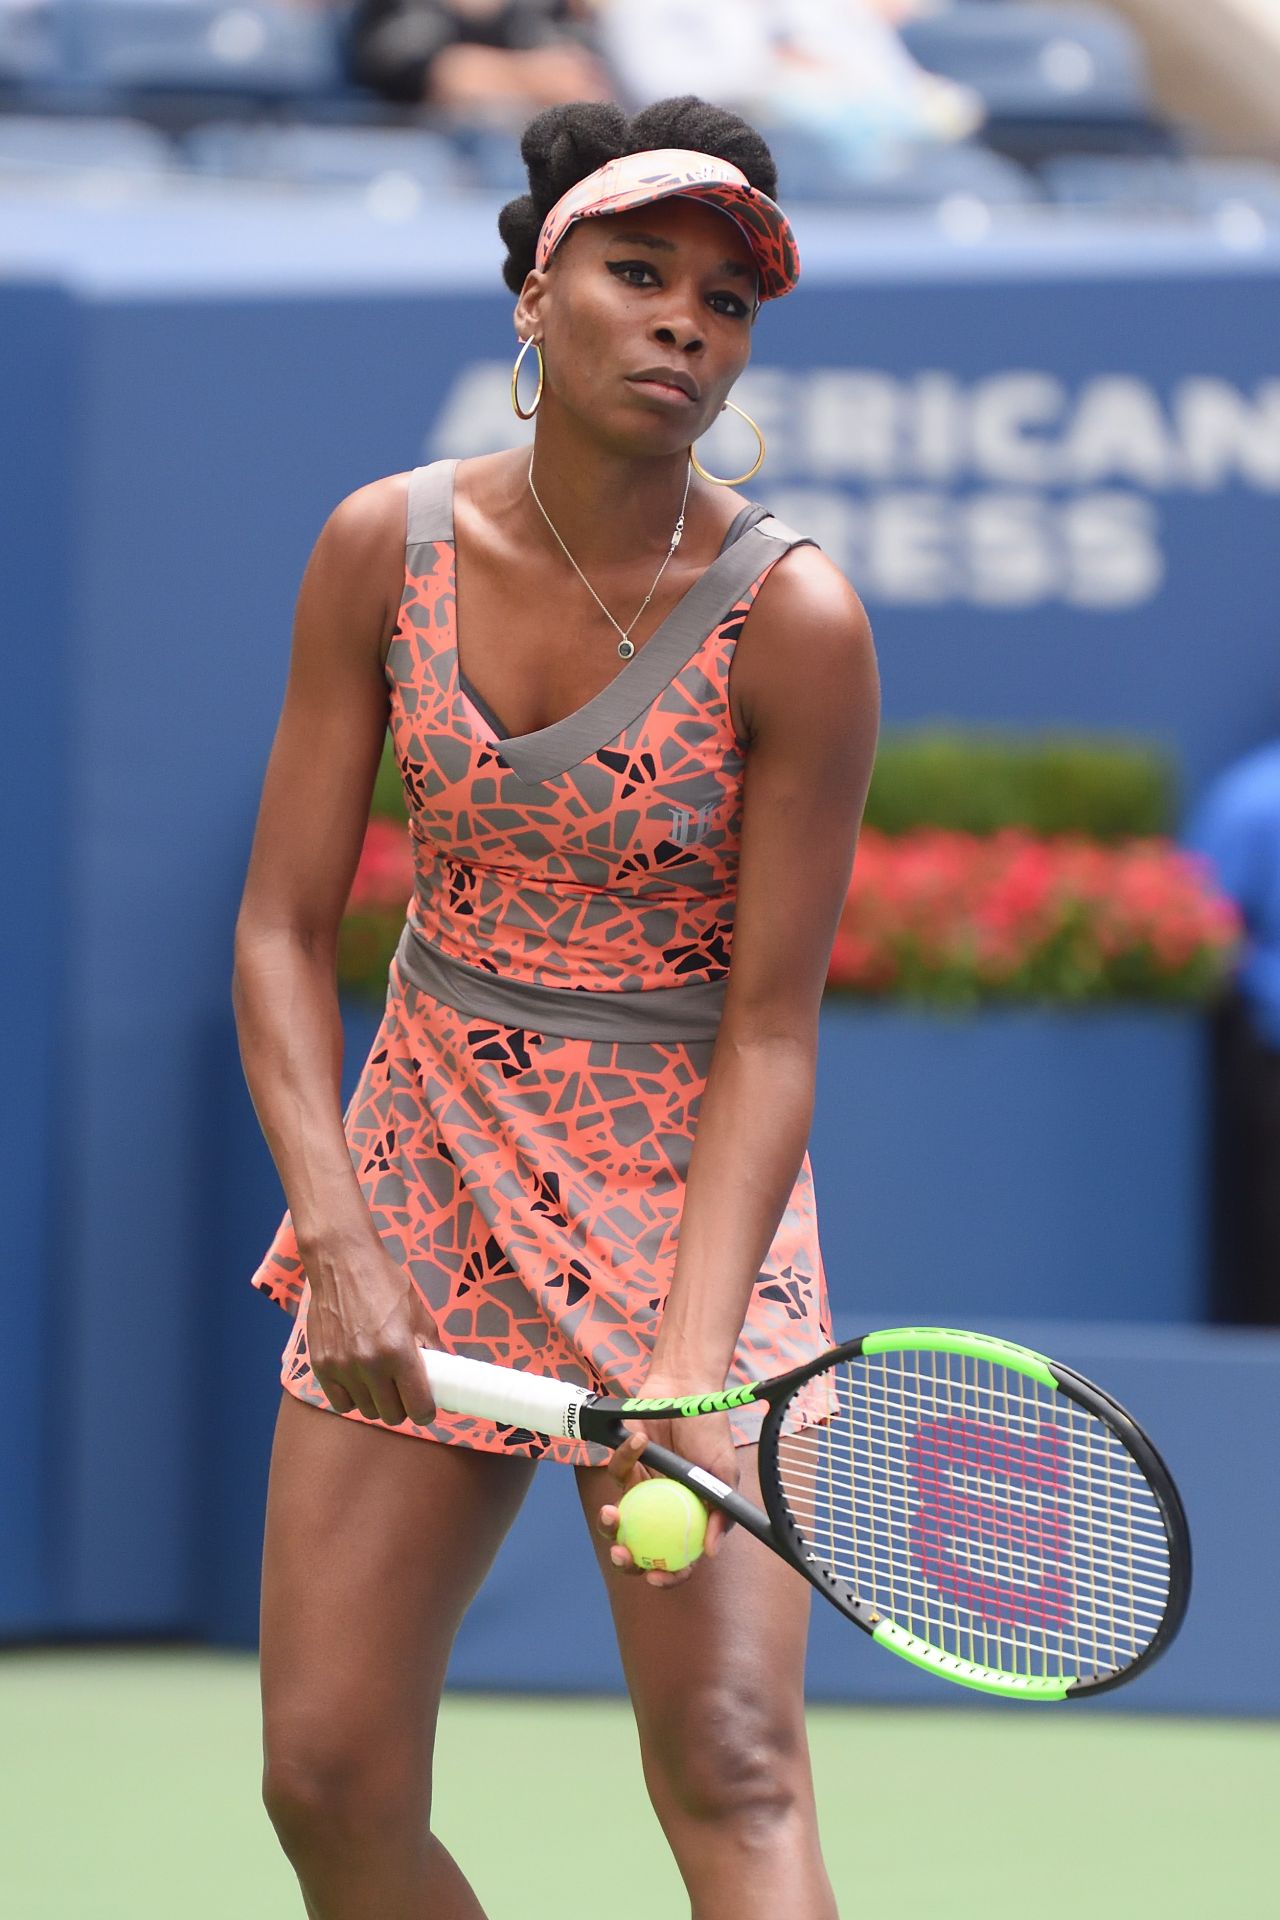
{"x":624,"y":269}
{"x":735,"y":308}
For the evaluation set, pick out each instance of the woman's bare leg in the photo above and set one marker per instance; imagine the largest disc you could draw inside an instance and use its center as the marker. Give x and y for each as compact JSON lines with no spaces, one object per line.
{"x":376,"y":1543}
{"x":715,"y":1668}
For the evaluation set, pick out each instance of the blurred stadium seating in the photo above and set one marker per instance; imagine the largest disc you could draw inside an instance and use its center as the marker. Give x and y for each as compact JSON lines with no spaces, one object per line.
{"x":923,"y":176}
{"x":1151,"y":186}
{"x":1053,"y":78}
{"x":265,"y":52}
{"x":1028,"y":60}
{"x":37,"y":145}
{"x":322,"y":156}
{"x":167,"y":89}
{"x":29,"y":53}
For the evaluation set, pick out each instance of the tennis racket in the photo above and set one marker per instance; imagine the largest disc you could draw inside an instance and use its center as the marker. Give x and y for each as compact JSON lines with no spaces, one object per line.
{"x":979,"y":1510}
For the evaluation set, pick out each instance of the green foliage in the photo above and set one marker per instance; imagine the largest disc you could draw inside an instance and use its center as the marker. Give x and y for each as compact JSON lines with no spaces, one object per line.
{"x":1105,"y":788}
{"x":366,"y":942}
{"x":388,"y":788}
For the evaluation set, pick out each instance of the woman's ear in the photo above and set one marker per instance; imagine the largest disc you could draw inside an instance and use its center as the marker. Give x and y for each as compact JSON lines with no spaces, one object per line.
{"x":528,"y":314}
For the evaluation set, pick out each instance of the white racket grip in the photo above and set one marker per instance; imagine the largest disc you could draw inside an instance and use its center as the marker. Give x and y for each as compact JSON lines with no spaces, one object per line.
{"x":511,"y":1399}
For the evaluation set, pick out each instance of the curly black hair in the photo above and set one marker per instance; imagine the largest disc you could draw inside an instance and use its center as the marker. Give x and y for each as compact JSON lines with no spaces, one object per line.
{"x":562,"y":145}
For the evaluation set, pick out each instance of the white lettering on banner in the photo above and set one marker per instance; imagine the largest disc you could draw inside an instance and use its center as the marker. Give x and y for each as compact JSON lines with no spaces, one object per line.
{"x":1007,"y":491}
{"x":1099,"y":551}
{"x":1223,"y":433}
{"x":1010,"y":420}
{"x":1119,"y":433}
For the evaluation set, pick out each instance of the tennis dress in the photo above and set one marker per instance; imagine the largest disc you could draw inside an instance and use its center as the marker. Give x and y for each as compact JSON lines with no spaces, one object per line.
{"x":522,"y":1127}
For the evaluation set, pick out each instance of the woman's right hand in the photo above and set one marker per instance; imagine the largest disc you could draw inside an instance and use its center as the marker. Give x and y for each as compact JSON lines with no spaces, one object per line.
{"x":366,"y":1326}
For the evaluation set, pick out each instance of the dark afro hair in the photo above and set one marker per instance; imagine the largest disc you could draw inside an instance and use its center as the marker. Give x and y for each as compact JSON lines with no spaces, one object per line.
{"x":562,"y":145}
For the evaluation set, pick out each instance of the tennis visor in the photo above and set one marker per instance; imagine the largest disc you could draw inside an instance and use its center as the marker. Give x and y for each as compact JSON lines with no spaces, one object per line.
{"x":638,"y":179}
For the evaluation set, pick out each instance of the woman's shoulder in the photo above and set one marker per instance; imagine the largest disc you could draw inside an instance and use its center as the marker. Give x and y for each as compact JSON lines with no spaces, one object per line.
{"x":368,"y":522}
{"x":806,"y":580}
{"x":806,"y":613}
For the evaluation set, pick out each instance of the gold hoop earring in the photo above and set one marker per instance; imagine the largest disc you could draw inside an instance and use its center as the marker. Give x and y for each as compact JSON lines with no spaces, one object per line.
{"x":751,"y":472}
{"x":517,"y":409}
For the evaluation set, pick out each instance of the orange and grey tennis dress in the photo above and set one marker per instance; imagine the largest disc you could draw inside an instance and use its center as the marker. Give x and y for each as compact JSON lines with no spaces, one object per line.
{"x":523,"y":1124}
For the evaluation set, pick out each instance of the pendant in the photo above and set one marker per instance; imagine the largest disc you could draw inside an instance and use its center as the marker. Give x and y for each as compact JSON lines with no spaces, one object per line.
{"x":626,"y":648}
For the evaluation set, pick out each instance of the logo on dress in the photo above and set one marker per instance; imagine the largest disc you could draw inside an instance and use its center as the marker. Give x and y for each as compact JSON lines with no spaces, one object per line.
{"x":689,"y":824}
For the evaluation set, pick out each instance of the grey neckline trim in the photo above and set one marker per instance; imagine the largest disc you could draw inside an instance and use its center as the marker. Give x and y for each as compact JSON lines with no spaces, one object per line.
{"x":553,"y":750}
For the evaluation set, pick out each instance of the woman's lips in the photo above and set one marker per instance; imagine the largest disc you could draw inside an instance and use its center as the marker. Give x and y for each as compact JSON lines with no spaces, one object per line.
{"x":663,"y":388}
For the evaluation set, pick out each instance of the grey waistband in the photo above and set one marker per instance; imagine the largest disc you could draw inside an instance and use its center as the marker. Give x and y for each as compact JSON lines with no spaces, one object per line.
{"x":688,"y":1013}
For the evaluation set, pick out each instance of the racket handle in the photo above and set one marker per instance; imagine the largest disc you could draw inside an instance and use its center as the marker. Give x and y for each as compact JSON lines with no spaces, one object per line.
{"x":549,"y":1407}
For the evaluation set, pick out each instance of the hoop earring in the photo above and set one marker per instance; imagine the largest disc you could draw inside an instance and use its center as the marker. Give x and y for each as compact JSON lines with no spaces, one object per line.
{"x":517,"y":409}
{"x":751,"y":472}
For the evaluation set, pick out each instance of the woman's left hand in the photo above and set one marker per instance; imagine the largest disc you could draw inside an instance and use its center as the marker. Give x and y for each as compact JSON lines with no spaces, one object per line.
{"x":704,"y":1441}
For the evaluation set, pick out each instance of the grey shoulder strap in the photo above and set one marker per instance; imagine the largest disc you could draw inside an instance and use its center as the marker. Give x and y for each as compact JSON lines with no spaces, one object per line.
{"x":430,"y":515}
{"x":779,"y":530}
{"x":755,"y":516}
{"x":750,"y":516}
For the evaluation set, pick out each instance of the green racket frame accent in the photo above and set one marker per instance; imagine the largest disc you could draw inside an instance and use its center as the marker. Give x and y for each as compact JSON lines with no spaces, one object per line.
{"x":949,"y":1666}
{"x":688,"y":1409}
{"x":975,"y":1346}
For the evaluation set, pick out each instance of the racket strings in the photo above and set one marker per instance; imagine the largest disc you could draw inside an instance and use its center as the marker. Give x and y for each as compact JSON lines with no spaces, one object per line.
{"x":984,"y":1512}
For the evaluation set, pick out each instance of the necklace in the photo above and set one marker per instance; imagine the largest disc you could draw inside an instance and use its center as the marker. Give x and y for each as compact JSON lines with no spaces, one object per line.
{"x":626,"y":645}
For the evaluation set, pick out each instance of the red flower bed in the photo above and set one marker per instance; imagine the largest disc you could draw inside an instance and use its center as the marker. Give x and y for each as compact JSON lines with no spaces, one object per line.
{"x":956,"y":917}
{"x":384,"y":873}
{"x":950,"y":918}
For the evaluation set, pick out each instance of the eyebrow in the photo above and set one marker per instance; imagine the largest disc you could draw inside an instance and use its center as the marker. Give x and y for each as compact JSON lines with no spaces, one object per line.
{"x":734,"y":268}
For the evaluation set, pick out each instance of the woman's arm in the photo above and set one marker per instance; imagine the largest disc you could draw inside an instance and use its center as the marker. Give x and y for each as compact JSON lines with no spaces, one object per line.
{"x":311,"y":823}
{"x":807,"y":683}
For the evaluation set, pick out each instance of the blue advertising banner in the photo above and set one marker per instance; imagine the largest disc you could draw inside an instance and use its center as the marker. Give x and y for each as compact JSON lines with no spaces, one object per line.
{"x":1052,"y":473}
{"x":1057,"y":498}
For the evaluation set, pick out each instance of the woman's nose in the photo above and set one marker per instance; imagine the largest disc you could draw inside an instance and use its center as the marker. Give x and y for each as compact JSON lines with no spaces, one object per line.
{"x":683,"y":335}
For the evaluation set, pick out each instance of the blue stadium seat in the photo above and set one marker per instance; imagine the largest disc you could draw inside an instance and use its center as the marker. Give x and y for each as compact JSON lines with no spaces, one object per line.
{"x":323,"y":156}
{"x":260,"y":50}
{"x":923,"y":177}
{"x":1150,"y":185}
{"x":44,"y":145}
{"x":1052,"y":62}
{"x":28,"y":46}
{"x":491,"y":159}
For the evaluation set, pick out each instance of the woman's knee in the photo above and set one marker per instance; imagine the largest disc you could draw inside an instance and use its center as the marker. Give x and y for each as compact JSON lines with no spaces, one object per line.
{"x":729,"y":1754}
{"x":329,"y":1796}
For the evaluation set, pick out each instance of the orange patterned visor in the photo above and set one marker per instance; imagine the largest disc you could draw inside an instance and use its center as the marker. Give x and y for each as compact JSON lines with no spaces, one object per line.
{"x":637,"y":179}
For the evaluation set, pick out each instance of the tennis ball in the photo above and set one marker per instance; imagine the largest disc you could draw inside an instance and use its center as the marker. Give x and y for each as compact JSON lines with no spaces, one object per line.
{"x":662,"y":1525}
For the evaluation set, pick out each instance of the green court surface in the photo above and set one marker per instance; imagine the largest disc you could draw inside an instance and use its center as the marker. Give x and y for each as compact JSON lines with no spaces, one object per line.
{"x":131,"y":1793}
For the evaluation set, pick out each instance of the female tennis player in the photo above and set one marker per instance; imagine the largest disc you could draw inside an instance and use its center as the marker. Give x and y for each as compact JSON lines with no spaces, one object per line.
{"x":635,"y":719}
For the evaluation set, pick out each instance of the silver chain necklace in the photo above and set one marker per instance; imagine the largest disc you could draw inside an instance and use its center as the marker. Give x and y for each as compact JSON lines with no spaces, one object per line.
{"x":626,"y":645}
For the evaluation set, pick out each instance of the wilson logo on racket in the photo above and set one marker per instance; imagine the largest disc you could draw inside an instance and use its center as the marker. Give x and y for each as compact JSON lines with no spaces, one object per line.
{"x":990,"y":1530}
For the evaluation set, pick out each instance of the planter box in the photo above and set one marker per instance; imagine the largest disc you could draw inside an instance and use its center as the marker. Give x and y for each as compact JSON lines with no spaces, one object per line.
{"x":1011,"y":1163}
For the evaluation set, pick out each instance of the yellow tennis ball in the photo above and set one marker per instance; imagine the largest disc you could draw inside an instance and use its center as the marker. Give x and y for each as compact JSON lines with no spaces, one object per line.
{"x":662,"y":1524}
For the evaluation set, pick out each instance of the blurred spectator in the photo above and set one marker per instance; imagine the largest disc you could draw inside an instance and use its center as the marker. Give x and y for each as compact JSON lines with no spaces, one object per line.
{"x":834,"y":70}
{"x":1237,"y":826}
{"x":482,"y":59}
